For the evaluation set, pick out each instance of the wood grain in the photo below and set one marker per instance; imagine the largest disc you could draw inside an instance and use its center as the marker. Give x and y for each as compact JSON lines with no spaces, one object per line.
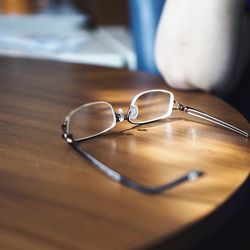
{"x":52,"y":198}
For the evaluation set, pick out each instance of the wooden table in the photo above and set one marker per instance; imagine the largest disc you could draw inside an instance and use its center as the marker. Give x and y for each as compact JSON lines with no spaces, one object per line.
{"x":52,"y":198}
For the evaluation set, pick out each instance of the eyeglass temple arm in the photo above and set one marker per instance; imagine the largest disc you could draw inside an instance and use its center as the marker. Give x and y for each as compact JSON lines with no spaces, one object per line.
{"x":207,"y":117}
{"x":190,"y":176}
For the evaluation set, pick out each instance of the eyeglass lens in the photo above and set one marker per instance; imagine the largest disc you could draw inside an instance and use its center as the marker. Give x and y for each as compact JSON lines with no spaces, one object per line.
{"x":91,"y":119}
{"x":152,"y":105}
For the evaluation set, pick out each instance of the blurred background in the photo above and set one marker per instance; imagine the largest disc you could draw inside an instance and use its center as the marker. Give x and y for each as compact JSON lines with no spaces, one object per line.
{"x":110,"y":33}
{"x":113,"y":33}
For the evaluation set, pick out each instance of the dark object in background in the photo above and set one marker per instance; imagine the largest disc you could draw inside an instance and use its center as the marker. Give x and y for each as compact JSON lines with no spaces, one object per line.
{"x":111,"y":12}
{"x":145,"y":16}
{"x":240,"y":96}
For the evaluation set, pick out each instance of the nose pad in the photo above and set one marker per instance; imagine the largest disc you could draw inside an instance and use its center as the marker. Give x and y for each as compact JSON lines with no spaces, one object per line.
{"x":133,"y":112}
{"x":120,"y":115}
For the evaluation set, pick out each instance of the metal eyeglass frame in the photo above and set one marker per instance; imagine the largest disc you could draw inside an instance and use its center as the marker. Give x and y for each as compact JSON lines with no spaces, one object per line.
{"x":130,"y":117}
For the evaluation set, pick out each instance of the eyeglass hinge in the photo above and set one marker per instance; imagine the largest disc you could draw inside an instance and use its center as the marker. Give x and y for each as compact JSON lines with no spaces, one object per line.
{"x":180,"y":107}
{"x":67,"y":137}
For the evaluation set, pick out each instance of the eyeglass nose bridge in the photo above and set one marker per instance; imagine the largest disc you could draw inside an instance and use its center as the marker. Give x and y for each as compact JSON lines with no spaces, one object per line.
{"x":131,"y":115}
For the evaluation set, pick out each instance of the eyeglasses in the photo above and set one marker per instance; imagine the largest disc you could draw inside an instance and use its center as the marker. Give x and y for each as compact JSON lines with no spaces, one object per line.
{"x":96,"y":118}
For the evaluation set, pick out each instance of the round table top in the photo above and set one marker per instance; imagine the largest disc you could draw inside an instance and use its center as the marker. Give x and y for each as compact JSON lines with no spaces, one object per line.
{"x":53,"y":198}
